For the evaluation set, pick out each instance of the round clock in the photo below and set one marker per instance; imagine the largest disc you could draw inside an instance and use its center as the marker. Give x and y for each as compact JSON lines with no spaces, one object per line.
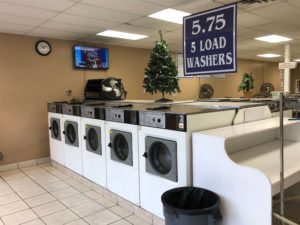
{"x":43,"y":47}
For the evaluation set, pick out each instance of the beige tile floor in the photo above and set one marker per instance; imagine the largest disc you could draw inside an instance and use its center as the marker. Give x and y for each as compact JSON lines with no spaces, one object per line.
{"x":43,"y":195}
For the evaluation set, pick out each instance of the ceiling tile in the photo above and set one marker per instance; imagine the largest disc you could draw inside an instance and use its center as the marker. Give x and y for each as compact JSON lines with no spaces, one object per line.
{"x":197,"y":6}
{"x":256,"y":43}
{"x":276,"y":28}
{"x":172,"y":37}
{"x":17,"y":10}
{"x":20,"y":20}
{"x":100,"y":13}
{"x":107,"y":40}
{"x":250,"y":33}
{"x":56,"y":5}
{"x":249,"y":7}
{"x":155,"y":24}
{"x":136,"y":7}
{"x":169,"y":3}
{"x":275,"y":11}
{"x":294,"y":2}
{"x":136,"y":29}
{"x":70,"y":28}
{"x":14,"y":27}
{"x":84,"y":21}
{"x":245,"y":19}
{"x":47,"y":32}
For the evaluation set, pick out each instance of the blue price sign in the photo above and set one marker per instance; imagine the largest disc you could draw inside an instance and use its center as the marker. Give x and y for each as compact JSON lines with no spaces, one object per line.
{"x":210,"y":41}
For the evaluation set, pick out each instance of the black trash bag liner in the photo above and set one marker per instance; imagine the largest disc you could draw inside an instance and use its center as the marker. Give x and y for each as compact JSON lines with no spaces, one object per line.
{"x":186,"y":203}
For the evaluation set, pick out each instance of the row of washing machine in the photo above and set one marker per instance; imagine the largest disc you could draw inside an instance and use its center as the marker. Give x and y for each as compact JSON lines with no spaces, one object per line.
{"x":135,"y":150}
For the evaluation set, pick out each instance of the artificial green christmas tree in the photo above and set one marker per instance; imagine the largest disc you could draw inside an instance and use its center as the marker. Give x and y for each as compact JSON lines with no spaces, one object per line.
{"x":161,"y":73}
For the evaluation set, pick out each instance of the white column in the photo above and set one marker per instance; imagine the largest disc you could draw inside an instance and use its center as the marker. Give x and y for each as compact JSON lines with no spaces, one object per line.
{"x":287,"y":72}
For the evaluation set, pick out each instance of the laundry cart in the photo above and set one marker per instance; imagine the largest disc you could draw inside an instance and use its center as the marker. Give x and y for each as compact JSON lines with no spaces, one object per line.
{"x":241,"y":163}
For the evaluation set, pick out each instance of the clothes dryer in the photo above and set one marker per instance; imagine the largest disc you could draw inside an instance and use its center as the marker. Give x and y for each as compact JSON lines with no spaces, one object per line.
{"x":56,"y":139}
{"x":122,"y":152}
{"x":165,"y":150}
{"x":93,"y":144}
{"x":72,"y":133}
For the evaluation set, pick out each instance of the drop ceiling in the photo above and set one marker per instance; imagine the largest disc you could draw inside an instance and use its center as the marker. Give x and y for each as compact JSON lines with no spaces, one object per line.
{"x":82,"y":19}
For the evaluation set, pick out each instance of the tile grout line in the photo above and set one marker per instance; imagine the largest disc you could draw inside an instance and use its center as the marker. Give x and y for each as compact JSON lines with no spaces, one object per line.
{"x":103,"y":194}
{"x":21,"y":199}
{"x":79,"y":181}
{"x":67,"y":207}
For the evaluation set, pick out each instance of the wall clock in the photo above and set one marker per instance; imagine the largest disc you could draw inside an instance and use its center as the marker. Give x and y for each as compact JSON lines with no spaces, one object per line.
{"x":43,"y":47}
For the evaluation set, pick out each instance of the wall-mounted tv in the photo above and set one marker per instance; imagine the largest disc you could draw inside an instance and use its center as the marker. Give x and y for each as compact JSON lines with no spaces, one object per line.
{"x":91,"y":58}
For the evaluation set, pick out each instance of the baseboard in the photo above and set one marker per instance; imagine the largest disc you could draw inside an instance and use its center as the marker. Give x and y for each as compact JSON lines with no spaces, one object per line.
{"x":22,"y":164}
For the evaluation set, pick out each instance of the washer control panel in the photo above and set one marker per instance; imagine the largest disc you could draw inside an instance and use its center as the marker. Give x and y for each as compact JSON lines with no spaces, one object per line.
{"x":88,"y":111}
{"x":151,"y":119}
{"x":114,"y":114}
{"x":55,"y":107}
{"x":73,"y":110}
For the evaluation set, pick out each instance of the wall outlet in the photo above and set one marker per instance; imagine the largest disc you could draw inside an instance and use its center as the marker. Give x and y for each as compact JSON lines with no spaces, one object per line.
{"x":1,"y":156}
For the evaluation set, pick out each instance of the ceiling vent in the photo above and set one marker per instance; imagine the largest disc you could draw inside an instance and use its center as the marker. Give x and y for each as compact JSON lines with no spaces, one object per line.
{"x":249,"y":2}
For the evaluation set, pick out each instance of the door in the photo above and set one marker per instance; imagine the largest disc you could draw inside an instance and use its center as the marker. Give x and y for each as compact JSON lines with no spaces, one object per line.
{"x":161,"y":158}
{"x":93,"y":139}
{"x":55,"y":128}
{"x":121,"y":146}
{"x":71,"y":132}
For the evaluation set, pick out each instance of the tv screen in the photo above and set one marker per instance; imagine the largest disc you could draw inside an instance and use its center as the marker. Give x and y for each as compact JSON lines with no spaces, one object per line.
{"x":90,"y":57}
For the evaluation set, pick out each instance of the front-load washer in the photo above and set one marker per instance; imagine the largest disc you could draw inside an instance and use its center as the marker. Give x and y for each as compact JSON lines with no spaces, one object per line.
{"x":72,"y":133}
{"x":56,"y":139}
{"x":165,"y":151}
{"x":93,"y":144}
{"x":122,"y":152}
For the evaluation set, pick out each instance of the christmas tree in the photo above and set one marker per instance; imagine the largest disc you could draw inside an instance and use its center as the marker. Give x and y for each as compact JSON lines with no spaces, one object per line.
{"x":161,"y":73}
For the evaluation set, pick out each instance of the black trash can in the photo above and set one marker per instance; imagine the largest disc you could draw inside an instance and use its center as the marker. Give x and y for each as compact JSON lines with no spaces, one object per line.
{"x":191,"y":206}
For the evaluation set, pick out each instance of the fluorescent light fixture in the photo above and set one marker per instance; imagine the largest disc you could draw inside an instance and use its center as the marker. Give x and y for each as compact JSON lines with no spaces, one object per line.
{"x":170,"y":15}
{"x":273,"y":38}
{"x":123,"y":35}
{"x":269,"y":55}
{"x":297,"y":60}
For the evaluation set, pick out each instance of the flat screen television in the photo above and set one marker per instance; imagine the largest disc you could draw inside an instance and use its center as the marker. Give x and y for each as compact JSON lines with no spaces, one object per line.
{"x":91,"y":58}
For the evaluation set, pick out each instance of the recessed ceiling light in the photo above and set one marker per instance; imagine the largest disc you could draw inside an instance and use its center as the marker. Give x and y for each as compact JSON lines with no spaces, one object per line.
{"x":273,"y":38}
{"x":170,"y":15}
{"x":269,"y":55}
{"x":123,"y":35}
{"x":297,"y":60}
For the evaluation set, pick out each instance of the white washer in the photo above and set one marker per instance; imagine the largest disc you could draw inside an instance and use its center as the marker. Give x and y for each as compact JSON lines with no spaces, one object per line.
{"x":93,"y":144}
{"x":56,"y":139}
{"x":72,"y":133}
{"x":122,"y":153}
{"x":165,"y":149}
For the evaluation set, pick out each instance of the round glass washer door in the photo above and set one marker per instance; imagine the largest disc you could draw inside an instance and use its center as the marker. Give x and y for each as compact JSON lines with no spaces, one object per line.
{"x":71,"y":133}
{"x":160,"y":158}
{"x":93,"y":139}
{"x":55,"y":128}
{"x":121,"y":147}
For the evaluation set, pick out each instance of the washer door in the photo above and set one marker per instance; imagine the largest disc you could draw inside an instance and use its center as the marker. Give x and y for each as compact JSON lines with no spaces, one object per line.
{"x":55,"y":128}
{"x":71,"y":131}
{"x":121,"y":147}
{"x":161,"y":158}
{"x":93,"y":139}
